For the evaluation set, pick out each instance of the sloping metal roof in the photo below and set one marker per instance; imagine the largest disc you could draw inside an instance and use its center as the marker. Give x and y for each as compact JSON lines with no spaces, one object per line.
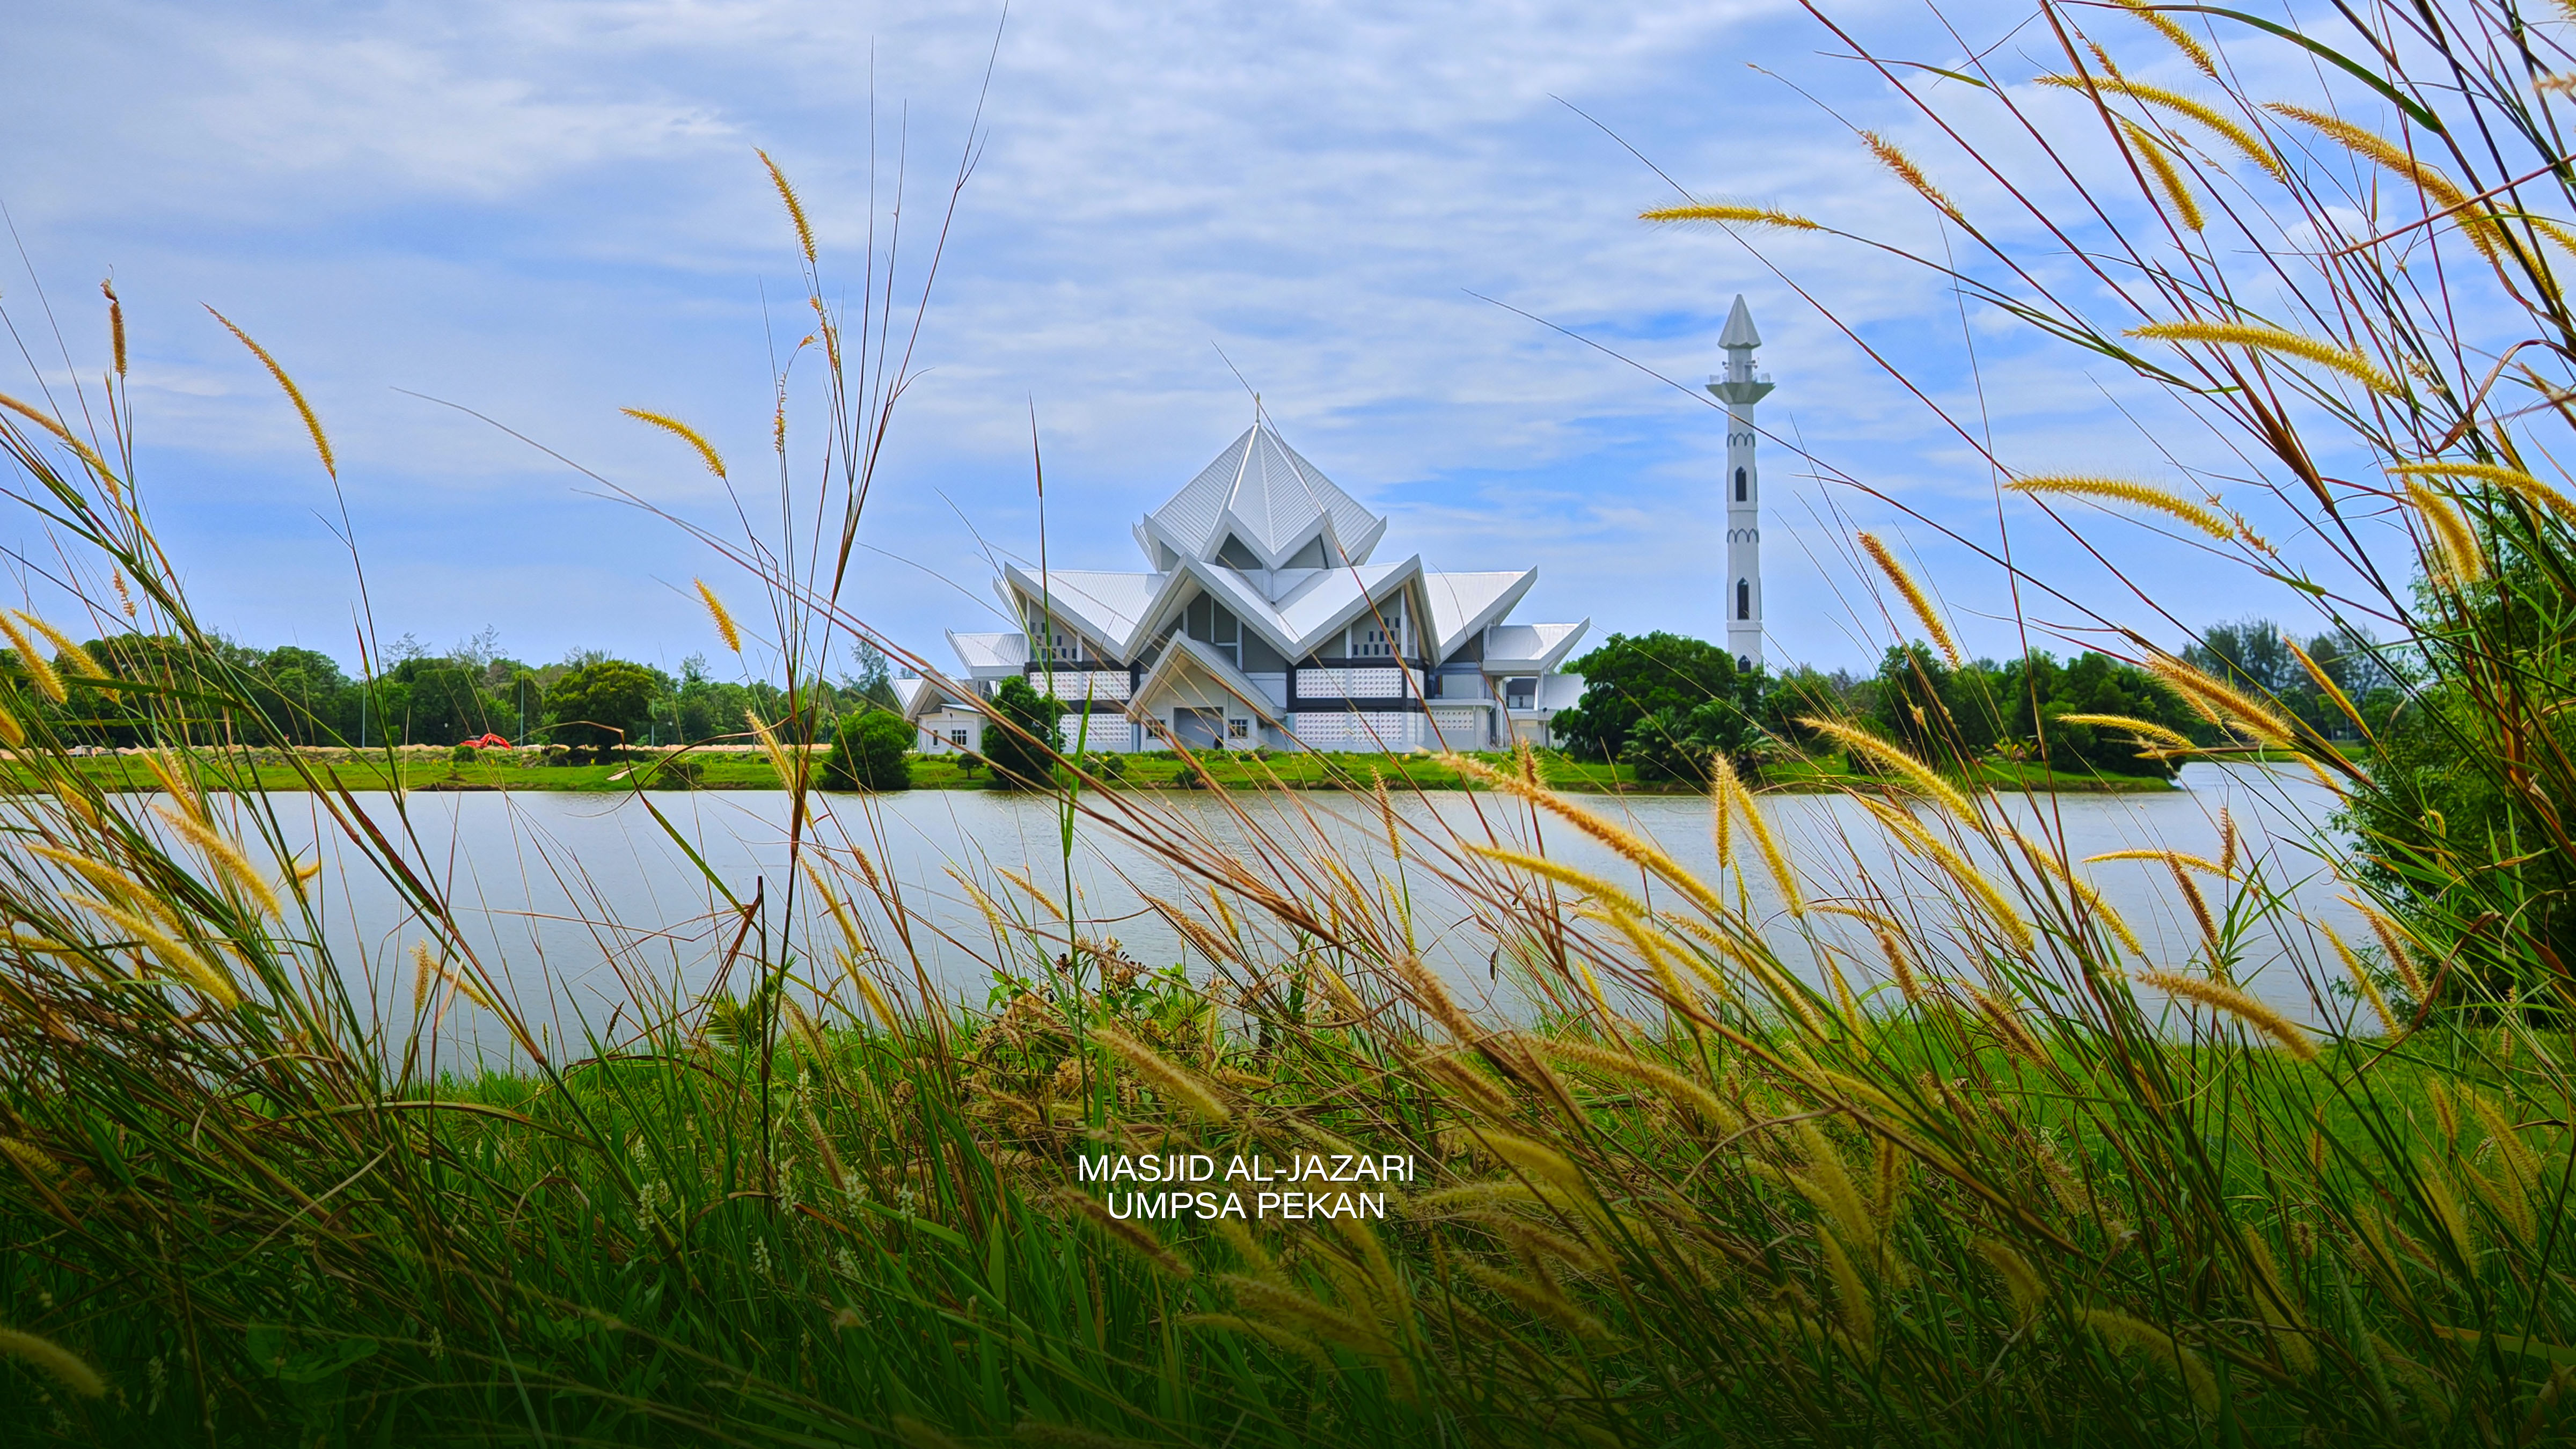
{"x":1461,"y":604}
{"x":1260,"y":491}
{"x":990,"y":651}
{"x":1533,"y":648}
{"x":1106,"y":606}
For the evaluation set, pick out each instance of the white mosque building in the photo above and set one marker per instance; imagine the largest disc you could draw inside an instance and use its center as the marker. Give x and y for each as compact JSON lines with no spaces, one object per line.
{"x":1266,"y":616}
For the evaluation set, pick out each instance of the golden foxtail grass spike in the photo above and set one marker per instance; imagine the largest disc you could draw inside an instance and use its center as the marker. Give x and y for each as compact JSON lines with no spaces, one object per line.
{"x":2392,"y":940}
{"x":2512,"y":479}
{"x":1564,"y":875}
{"x":2235,"y":135}
{"x":2183,"y":40}
{"x":294,"y":394}
{"x":115,"y":322}
{"x":2326,"y":686}
{"x":65,"y":651}
{"x":1851,"y":1296}
{"x":795,"y":207}
{"x":2145,"y":729}
{"x":2022,"y":1283}
{"x":706,"y":451}
{"x":60,"y":434}
{"x":2509,"y":1144}
{"x":2125,"y":490}
{"x":67,"y":1368}
{"x":1183,"y":1086}
{"x":182,"y":790}
{"x":1602,"y":1060}
{"x":226,"y":857}
{"x":2169,"y":178}
{"x":1636,"y":848}
{"x":1730,"y":215}
{"x":2123,"y":1334}
{"x":2237,"y":1004}
{"x":1533,"y":1159}
{"x":2256,"y":337}
{"x":1914,"y":597}
{"x":2441,"y":193}
{"x":2361,"y":981}
{"x":1723,"y":787}
{"x":2225,"y":700}
{"x":40,"y":670}
{"x":1922,"y":776}
{"x":190,"y":968}
{"x":2455,"y":554}
{"x":2172,"y":856}
{"x":2083,"y":890}
{"x":1903,"y":168}
{"x":1997,"y":909}
{"x":1783,"y":874}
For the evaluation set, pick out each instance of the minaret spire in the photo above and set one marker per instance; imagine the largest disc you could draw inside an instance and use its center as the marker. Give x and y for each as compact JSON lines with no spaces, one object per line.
{"x":1740,"y":388}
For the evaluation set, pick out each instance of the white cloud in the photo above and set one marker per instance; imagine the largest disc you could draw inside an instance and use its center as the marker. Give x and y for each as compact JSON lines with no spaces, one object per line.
{"x":548,"y":211}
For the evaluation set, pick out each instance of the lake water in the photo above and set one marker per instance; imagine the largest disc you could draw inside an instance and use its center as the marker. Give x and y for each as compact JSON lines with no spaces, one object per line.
{"x":589,"y":908}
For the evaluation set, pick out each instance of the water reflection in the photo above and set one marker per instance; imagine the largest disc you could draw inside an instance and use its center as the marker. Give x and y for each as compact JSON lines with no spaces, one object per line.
{"x":591,"y":908}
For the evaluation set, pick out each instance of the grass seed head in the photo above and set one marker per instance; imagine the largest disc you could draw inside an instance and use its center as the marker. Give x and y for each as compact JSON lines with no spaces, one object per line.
{"x":1903,"y":168}
{"x":2256,"y":337}
{"x":2124,"y":1334}
{"x":1730,"y":215}
{"x":2169,"y":178}
{"x":2232,"y":132}
{"x":1914,"y":597}
{"x":66,"y":1367}
{"x":2125,"y":490}
{"x":2237,"y":1004}
{"x":725,"y":627}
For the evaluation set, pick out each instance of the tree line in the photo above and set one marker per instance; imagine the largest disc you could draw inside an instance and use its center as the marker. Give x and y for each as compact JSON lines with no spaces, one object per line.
{"x":1668,"y":704}
{"x":589,"y":701}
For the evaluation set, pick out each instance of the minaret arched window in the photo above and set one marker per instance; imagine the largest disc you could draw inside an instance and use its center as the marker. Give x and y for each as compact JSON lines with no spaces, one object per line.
{"x":1739,"y":485}
{"x":1743,"y":599}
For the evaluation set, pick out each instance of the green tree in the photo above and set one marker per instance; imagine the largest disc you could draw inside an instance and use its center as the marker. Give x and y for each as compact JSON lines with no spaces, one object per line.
{"x":1023,"y":741}
{"x":601,"y":706}
{"x":871,"y":750}
{"x":872,"y":683}
{"x":1627,"y":679}
{"x":1942,"y":715}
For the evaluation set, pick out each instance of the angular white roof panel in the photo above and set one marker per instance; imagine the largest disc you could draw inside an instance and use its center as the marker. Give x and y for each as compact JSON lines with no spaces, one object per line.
{"x":1337,"y":597}
{"x":1107,"y":606}
{"x":1260,"y":490}
{"x":990,"y":651}
{"x":1463,"y":603}
{"x":1533,"y":648}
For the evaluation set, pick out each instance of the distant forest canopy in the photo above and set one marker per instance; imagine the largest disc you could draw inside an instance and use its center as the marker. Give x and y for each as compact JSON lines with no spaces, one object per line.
{"x":1666,"y":703}
{"x":586,"y":700}
{"x":1662,"y":702}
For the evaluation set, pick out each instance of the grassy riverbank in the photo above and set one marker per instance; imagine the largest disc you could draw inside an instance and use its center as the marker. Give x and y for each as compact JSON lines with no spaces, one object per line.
{"x":702,"y":769}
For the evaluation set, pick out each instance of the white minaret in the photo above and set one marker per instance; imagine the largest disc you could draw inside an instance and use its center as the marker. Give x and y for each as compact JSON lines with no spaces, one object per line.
{"x":1739,"y":388}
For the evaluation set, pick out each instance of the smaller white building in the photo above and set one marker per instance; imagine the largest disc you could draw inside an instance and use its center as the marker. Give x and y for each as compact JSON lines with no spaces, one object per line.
{"x":1263,"y":619}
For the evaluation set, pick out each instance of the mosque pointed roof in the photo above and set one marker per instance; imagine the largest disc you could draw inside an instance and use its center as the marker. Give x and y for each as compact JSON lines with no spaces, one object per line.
{"x":1261,"y":492}
{"x":1739,"y":327}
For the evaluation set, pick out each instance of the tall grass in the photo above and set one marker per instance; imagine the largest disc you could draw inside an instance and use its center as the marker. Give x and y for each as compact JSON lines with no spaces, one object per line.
{"x":1940,"y":1154}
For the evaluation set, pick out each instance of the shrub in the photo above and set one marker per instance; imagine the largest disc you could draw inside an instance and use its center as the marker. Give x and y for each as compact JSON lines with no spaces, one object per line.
{"x":871,"y":750}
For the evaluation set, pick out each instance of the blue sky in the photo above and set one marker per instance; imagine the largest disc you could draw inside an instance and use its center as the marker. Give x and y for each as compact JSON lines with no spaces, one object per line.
{"x":548,"y":211}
